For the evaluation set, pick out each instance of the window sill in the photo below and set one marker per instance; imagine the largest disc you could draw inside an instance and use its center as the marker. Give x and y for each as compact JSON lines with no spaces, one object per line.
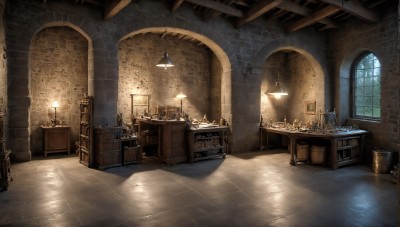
{"x":364,"y":120}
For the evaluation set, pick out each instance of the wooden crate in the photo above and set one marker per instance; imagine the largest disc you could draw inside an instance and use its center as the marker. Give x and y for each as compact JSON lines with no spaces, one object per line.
{"x":132,"y":155}
{"x":108,"y":133}
{"x":107,"y":154}
{"x":109,"y":159}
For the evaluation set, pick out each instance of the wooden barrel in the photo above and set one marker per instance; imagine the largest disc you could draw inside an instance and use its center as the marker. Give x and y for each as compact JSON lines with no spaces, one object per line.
{"x":318,"y":154}
{"x":302,"y":152}
{"x":382,"y":161}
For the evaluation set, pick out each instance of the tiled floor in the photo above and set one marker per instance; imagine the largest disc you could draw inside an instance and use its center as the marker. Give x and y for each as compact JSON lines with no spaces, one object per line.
{"x":250,"y":189}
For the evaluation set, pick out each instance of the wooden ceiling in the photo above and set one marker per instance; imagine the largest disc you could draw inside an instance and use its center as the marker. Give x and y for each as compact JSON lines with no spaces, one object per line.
{"x":292,"y":14}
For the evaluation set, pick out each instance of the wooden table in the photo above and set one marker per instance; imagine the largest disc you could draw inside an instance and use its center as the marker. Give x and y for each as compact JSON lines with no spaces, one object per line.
{"x":56,"y":139}
{"x":341,"y":141}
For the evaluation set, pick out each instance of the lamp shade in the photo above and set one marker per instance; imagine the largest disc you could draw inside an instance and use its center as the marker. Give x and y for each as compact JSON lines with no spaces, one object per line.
{"x":181,"y":96}
{"x":165,"y":61}
{"x":277,"y":91}
{"x":55,"y":104}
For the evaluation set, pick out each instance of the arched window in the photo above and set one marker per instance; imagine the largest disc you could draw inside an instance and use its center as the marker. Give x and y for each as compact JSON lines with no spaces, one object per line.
{"x":367,"y":87}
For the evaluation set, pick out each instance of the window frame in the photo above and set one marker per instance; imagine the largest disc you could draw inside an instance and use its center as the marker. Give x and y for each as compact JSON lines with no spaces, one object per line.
{"x":354,"y":67}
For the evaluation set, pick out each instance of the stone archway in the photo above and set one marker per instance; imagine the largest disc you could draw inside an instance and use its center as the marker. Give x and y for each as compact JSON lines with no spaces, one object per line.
{"x":19,"y":88}
{"x":58,"y":70}
{"x":225,"y":74}
{"x":315,"y":60}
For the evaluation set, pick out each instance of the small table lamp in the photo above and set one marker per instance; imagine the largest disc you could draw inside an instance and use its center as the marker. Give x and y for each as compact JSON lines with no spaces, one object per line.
{"x":55,"y":105}
{"x":181,"y":96}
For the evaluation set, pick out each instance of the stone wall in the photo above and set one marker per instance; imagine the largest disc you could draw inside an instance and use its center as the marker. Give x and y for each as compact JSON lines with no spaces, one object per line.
{"x":191,"y":74}
{"x":3,"y":61}
{"x":215,"y":86}
{"x":58,"y":71}
{"x":305,"y":85}
{"x":346,"y":45}
{"x":237,"y":50}
{"x":273,"y":109}
{"x":297,"y":76}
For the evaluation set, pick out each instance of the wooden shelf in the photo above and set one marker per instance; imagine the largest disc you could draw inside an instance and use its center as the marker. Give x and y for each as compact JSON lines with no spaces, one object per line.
{"x":85,"y":147}
{"x":207,"y":138}
{"x":347,"y":162}
{"x":209,"y":148}
{"x":346,"y":147}
{"x":196,"y":136}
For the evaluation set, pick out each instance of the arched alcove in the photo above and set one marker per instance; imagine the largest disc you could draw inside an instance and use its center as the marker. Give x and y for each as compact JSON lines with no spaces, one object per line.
{"x":292,"y":52}
{"x":201,"y":71}
{"x":299,"y":77}
{"x":59,"y":70}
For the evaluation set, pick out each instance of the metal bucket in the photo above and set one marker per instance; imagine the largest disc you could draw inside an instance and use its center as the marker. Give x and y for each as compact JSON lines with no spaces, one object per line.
{"x":318,"y":154}
{"x":302,"y":152}
{"x":382,"y":161}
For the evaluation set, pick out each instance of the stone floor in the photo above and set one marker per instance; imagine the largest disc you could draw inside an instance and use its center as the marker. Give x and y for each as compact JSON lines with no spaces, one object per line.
{"x":249,"y":189}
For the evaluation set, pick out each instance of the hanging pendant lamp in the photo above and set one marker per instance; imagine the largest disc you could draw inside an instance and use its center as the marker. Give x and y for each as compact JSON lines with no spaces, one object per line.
{"x":165,"y":61}
{"x":277,"y":91}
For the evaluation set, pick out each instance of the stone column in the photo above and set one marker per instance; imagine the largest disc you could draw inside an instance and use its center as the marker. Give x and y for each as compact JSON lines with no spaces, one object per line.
{"x":105,"y":82}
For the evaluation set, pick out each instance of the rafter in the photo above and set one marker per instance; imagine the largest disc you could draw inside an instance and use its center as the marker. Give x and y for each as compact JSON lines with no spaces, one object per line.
{"x":259,"y":9}
{"x":303,"y":11}
{"x":313,"y":18}
{"x":214,"y":13}
{"x":355,"y":8}
{"x":176,"y":5}
{"x":115,"y":7}
{"x":218,"y":7}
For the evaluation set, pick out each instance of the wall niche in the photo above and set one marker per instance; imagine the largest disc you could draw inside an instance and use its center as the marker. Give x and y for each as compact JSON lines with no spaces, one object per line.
{"x":58,"y":71}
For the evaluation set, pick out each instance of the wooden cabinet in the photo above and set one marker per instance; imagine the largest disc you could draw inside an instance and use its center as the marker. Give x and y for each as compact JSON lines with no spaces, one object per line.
{"x":85,"y":146}
{"x":107,"y":147}
{"x":5,"y":167}
{"x":173,"y":148}
{"x":164,"y":139}
{"x":56,"y":139}
{"x":347,"y":150}
{"x":206,"y":143}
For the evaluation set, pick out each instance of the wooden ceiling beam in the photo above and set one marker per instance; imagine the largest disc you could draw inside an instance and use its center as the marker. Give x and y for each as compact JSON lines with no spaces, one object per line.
{"x":218,"y":7}
{"x":313,"y":18}
{"x":176,"y":5}
{"x":115,"y":7}
{"x":354,"y":8}
{"x":214,"y":13}
{"x":259,"y":9}
{"x":303,"y":11}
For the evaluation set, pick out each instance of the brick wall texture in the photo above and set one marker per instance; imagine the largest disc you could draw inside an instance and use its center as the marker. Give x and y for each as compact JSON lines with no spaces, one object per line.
{"x":3,"y":61}
{"x":58,"y":71}
{"x":347,"y":44}
{"x":298,"y":77}
{"x":227,"y":79}
{"x":191,"y":74}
